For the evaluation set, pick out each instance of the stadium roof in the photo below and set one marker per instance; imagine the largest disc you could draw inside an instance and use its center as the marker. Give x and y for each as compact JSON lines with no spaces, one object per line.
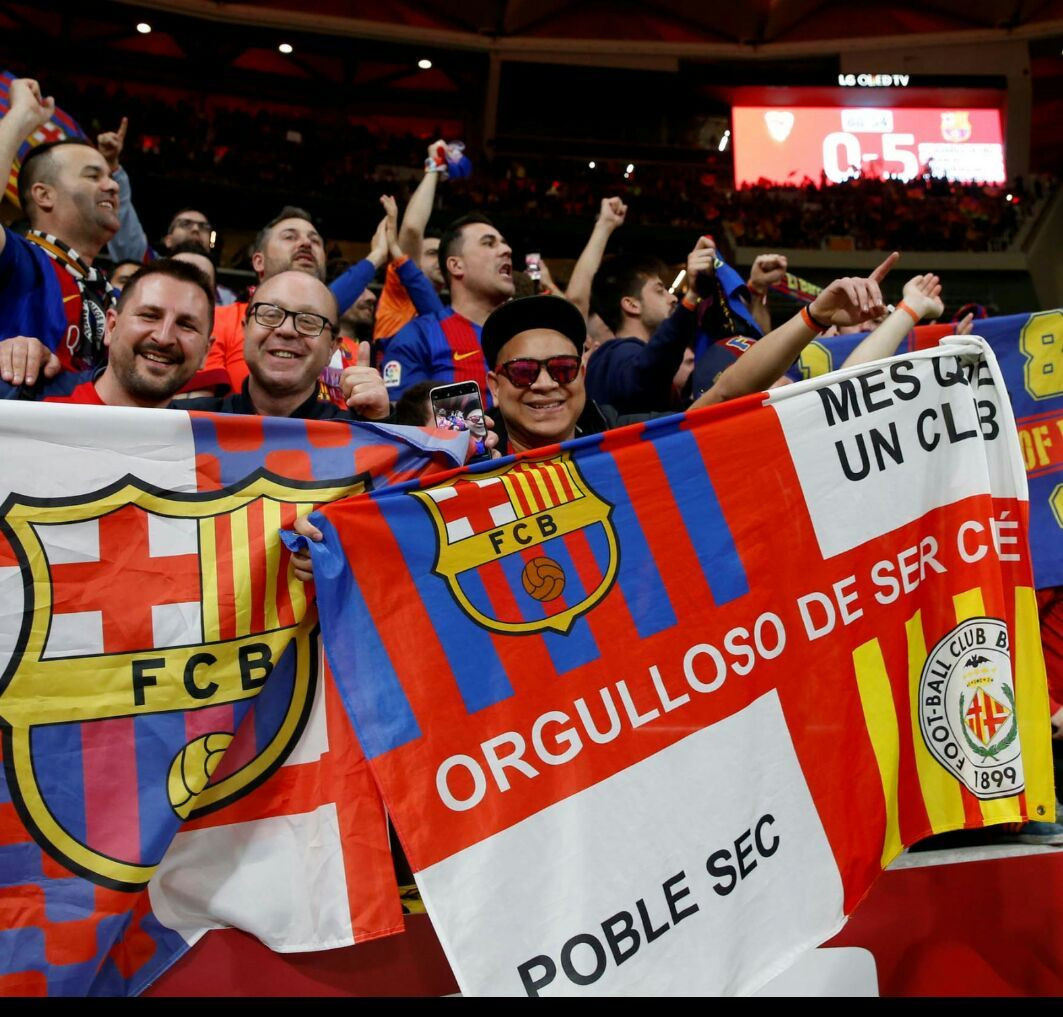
{"x":661,"y":27}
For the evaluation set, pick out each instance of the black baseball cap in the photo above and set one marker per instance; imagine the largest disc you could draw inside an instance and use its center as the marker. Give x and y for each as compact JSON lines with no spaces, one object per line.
{"x":516,"y":316}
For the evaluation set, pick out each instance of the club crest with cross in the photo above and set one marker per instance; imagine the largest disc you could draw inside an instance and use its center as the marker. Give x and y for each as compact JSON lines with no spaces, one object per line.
{"x":526,"y":548}
{"x":148,"y":624}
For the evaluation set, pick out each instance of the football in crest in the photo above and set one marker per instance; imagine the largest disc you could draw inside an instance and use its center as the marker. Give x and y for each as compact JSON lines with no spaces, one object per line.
{"x":192,"y":767}
{"x":543,"y":579}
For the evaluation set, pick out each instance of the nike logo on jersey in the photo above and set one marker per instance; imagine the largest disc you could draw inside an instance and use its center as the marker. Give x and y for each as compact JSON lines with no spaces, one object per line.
{"x":465,"y":356}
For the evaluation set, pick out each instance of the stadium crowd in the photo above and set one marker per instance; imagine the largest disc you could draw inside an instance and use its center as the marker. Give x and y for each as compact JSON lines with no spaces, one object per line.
{"x":619,"y":342}
{"x":182,"y":140}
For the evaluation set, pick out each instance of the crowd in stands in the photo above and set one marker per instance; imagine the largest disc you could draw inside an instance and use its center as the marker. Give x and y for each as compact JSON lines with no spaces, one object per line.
{"x":331,"y":156}
{"x":619,"y":343}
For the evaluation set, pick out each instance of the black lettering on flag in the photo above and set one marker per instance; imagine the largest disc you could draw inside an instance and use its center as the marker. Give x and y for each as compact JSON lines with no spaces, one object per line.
{"x":141,"y":678}
{"x":194,"y":690}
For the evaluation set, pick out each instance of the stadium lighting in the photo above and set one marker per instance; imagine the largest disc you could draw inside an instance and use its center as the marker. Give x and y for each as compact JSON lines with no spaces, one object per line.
{"x":143,"y":27}
{"x":1009,"y":197}
{"x":723,"y":141}
{"x":285,"y":48}
{"x":630,"y":168}
{"x":425,"y":64}
{"x":591,"y":164}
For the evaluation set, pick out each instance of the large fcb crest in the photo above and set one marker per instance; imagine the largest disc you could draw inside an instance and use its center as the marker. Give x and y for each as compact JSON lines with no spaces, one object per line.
{"x":526,"y":548}
{"x":150,"y":622}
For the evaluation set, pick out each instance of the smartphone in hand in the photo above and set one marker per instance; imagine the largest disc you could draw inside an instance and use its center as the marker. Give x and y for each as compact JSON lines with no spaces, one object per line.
{"x":458,"y":407}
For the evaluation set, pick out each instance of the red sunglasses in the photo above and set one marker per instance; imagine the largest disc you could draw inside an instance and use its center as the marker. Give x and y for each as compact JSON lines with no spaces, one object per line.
{"x":524,"y":371}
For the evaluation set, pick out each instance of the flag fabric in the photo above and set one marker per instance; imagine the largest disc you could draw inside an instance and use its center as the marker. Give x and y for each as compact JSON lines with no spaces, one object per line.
{"x":650,"y":711}
{"x":1029,"y":350}
{"x":175,"y":758}
{"x":794,"y":286}
{"x":61,"y":125}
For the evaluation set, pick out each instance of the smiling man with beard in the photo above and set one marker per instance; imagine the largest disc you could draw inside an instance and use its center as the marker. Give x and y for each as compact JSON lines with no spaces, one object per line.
{"x":156,"y":336}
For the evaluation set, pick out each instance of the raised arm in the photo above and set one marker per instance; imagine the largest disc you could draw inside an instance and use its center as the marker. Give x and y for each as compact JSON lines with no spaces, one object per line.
{"x":922,"y":299}
{"x":130,"y":243}
{"x":844,"y":302}
{"x":419,"y":209}
{"x":28,"y":111}
{"x":610,"y":217}
{"x":767,"y":270}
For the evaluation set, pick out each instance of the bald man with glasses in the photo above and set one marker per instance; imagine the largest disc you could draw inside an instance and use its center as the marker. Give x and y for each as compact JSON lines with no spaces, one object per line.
{"x":290,"y":334}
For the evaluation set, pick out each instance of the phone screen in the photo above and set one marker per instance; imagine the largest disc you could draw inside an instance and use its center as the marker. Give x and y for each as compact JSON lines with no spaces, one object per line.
{"x":458,"y":407}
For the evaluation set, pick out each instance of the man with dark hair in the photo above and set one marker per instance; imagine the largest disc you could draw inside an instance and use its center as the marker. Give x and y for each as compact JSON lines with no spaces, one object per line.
{"x":122,"y":272}
{"x":49,"y":288}
{"x":188,"y":225}
{"x":632,"y":277}
{"x":288,"y":242}
{"x":156,"y":335}
{"x":633,"y":373}
{"x":477,"y":264}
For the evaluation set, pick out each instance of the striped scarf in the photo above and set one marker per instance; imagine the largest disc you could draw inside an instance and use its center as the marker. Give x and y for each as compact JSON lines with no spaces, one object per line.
{"x":86,"y":317}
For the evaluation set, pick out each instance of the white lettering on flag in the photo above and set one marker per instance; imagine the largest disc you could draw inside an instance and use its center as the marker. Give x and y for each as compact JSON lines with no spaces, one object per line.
{"x":697,"y":884}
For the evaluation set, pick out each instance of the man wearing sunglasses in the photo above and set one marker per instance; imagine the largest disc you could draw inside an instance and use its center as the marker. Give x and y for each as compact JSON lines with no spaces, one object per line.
{"x":535,"y":372}
{"x":290,"y":333}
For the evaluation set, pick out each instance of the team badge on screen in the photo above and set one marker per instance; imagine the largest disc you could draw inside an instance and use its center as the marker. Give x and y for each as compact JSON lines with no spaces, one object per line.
{"x":524,"y":549}
{"x":779,"y":123}
{"x":956,"y":125}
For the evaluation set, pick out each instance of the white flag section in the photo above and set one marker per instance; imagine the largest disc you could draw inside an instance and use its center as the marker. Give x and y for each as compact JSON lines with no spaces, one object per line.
{"x":820,"y":646}
{"x":726,"y":880}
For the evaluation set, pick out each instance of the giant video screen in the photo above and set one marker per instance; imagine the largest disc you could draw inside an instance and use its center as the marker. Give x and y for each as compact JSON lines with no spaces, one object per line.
{"x":784,"y":145}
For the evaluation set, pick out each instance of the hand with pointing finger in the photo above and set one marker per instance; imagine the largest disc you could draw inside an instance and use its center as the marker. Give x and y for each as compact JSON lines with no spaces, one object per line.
{"x":364,"y":389}
{"x":111,"y":143}
{"x":851,"y":300}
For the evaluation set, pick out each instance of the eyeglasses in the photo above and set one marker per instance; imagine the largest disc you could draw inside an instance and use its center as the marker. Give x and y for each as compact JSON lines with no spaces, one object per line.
{"x":524,"y":371}
{"x":190,"y":224}
{"x":306,"y":322}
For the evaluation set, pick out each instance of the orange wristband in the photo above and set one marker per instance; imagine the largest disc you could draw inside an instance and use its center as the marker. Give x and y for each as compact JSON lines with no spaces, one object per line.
{"x":806,"y":317}
{"x":690,"y":306}
{"x":902,"y":306}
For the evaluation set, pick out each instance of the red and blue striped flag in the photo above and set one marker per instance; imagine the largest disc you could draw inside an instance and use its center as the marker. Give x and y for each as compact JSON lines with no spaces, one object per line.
{"x":651,"y":710}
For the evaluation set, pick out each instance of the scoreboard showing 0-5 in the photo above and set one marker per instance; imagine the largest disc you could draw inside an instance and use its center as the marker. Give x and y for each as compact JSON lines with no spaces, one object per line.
{"x":786,"y":144}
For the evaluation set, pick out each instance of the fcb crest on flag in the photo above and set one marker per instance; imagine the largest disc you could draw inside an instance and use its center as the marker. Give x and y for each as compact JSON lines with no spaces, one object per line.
{"x":513,"y":545}
{"x":151,"y":621}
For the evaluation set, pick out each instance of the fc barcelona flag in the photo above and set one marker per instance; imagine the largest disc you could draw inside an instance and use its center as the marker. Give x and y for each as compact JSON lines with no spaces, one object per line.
{"x":62,"y":125}
{"x":175,"y":757}
{"x":651,"y":710}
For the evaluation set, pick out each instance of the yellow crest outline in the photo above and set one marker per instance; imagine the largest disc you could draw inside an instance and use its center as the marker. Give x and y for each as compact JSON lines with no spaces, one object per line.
{"x":36,"y":691}
{"x":586,"y":509}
